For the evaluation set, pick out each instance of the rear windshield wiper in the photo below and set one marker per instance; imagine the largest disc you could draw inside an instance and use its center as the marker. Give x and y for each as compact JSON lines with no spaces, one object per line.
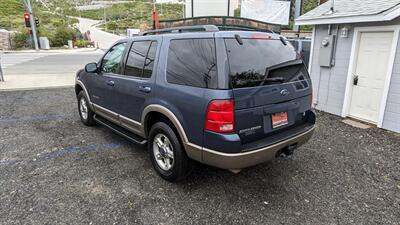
{"x":281,"y":65}
{"x":275,"y":79}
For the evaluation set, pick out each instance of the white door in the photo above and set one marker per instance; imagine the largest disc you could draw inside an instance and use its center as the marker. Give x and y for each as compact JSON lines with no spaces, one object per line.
{"x":370,"y":74}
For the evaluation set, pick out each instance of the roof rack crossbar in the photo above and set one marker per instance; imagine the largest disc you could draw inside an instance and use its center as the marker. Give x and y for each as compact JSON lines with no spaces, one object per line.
{"x":206,"y":28}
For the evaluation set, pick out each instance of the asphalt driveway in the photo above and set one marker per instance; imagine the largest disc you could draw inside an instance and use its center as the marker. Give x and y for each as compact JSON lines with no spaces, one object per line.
{"x":54,"y":170}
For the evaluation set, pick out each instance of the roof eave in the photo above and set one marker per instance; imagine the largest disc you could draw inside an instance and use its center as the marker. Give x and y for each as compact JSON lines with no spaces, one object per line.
{"x":349,"y":19}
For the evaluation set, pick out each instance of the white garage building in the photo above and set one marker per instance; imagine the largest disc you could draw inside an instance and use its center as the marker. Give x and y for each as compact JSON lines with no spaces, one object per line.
{"x":355,"y":59}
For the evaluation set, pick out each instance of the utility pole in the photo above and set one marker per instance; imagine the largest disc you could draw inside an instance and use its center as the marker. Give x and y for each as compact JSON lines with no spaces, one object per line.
{"x":192,"y":5}
{"x":297,"y":12}
{"x":1,"y":71}
{"x":184,"y":9}
{"x":105,"y":19}
{"x":32,"y":22}
{"x":155,"y":16}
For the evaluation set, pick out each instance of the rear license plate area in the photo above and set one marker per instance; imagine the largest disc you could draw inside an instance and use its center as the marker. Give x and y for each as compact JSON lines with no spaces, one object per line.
{"x":279,"y":119}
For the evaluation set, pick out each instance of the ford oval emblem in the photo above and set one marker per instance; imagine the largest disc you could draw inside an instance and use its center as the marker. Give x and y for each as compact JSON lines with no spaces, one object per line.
{"x":284,"y":92}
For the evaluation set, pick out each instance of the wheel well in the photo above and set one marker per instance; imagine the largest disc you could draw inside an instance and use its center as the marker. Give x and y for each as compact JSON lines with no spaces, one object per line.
{"x":78,"y":89}
{"x":154,"y":117}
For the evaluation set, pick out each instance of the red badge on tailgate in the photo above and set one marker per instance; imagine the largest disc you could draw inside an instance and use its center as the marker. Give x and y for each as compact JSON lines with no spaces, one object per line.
{"x":279,"y":119}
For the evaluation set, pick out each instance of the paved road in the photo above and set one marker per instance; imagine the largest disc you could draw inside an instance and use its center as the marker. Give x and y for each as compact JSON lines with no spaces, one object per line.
{"x":8,"y":60}
{"x":54,"y":170}
{"x":38,"y":70}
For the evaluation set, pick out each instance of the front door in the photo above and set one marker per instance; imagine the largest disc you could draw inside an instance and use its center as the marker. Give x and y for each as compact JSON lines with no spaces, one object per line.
{"x":103,"y":84}
{"x":370,"y":74}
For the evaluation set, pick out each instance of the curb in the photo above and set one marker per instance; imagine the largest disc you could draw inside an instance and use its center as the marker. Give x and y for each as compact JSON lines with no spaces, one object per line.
{"x":36,"y":88}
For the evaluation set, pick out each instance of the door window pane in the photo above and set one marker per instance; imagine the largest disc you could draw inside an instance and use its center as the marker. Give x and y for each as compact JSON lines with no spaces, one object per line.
{"x":136,"y":58}
{"x":149,"y":63}
{"x":192,"y":62}
{"x":111,"y":61}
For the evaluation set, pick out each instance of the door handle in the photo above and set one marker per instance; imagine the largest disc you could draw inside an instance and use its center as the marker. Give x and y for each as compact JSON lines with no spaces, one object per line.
{"x":355,"y":80}
{"x":145,"y":89}
{"x":110,"y":83}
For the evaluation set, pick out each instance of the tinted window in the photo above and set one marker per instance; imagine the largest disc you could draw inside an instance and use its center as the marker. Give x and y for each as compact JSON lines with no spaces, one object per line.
{"x":149,"y":62}
{"x":136,"y":58}
{"x":111,"y":61}
{"x":263,"y":62}
{"x":192,"y":62}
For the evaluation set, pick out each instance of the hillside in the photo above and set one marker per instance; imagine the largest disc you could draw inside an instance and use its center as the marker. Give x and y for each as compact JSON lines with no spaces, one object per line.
{"x":54,"y":22}
{"x":9,"y":9}
{"x":135,"y":14}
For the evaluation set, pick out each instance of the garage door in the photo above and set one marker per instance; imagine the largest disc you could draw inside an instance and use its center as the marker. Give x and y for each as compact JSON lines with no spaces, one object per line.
{"x":370,"y":74}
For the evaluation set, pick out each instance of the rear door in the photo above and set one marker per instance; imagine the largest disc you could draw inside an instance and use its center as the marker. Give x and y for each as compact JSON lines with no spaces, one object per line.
{"x":135,"y":86}
{"x":270,"y":84}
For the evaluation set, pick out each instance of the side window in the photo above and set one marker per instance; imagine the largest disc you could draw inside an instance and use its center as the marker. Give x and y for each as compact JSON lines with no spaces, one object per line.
{"x":111,"y":61}
{"x":192,"y":62}
{"x":149,"y":62}
{"x":141,"y":59}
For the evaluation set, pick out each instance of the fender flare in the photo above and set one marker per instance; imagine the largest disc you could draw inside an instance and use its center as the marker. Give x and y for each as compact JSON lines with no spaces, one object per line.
{"x":80,"y":84}
{"x":169,"y":114}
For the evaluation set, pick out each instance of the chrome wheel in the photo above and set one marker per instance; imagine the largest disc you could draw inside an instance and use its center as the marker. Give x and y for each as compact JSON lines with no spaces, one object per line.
{"x":83,"y":108}
{"x":163,"y":152}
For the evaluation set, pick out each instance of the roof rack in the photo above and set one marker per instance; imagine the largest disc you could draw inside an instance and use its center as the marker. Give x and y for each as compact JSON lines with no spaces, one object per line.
{"x":206,"y":28}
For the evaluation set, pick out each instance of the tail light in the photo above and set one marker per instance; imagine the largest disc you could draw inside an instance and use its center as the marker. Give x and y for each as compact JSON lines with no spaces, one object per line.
{"x":220,"y":116}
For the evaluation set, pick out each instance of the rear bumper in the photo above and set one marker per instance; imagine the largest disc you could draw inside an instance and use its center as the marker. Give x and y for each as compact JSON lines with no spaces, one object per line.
{"x":245,"y":159}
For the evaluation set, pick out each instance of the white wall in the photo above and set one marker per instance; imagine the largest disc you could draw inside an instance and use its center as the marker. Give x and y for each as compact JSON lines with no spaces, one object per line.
{"x":391,"y":120}
{"x":209,"y":8}
{"x":329,"y":84}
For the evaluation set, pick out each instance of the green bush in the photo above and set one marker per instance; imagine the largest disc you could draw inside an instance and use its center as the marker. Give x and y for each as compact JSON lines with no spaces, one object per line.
{"x":61,"y":36}
{"x":236,"y":13}
{"x":81,"y":43}
{"x":22,"y":40}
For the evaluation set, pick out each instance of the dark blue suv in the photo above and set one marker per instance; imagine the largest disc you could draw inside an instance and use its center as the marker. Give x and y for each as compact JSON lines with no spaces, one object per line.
{"x":229,"y":99}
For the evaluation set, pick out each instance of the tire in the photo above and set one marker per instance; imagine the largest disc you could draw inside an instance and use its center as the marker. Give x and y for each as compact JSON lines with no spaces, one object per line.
{"x":171,"y":169}
{"x":83,"y":105}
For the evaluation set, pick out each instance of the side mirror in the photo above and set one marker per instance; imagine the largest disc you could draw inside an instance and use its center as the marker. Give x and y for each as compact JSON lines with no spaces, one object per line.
{"x":91,"y":68}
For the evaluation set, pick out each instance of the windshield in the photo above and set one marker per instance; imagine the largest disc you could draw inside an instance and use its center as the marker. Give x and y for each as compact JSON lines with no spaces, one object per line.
{"x":263,"y":62}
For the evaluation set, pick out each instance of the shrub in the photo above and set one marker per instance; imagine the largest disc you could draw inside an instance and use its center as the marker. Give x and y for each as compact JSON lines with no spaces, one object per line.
{"x":61,"y":36}
{"x":22,"y":40}
{"x":80,"y":43}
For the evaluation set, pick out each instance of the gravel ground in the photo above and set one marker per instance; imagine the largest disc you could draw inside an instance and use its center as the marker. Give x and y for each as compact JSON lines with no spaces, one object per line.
{"x":54,"y":170}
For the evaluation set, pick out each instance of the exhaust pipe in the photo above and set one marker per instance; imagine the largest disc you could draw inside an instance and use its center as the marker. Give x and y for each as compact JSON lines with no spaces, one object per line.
{"x":235,"y":171}
{"x":287,"y":151}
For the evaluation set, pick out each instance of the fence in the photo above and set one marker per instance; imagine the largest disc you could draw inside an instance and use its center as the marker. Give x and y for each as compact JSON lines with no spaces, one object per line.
{"x":223,"y":23}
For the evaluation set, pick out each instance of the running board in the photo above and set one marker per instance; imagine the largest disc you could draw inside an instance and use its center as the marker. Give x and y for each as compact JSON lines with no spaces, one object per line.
{"x":121,"y":131}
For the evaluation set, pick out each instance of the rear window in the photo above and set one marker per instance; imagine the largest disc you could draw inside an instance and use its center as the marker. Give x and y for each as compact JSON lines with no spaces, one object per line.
{"x":192,"y":62}
{"x":263,"y":62}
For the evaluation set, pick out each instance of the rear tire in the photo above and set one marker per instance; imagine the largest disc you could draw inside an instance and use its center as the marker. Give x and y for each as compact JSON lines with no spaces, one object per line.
{"x":85,"y":113}
{"x":167,"y":154}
